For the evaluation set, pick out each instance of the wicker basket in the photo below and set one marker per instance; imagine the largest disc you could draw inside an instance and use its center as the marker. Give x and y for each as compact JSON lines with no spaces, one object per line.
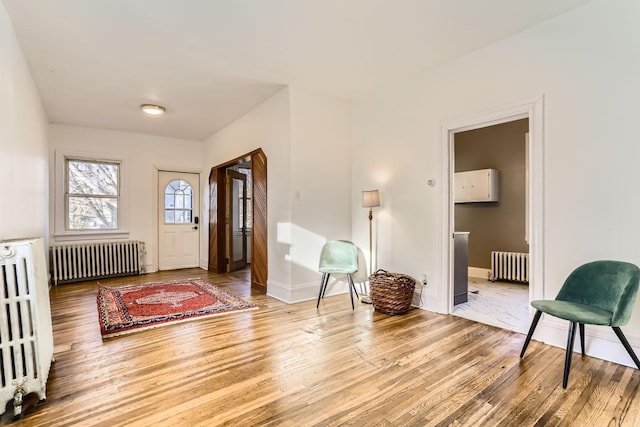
{"x":391,"y":293}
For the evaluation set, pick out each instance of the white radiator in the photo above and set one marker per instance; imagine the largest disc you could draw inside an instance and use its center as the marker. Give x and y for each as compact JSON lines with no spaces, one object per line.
{"x":26,"y":336}
{"x":513,"y":266}
{"x":77,"y":262}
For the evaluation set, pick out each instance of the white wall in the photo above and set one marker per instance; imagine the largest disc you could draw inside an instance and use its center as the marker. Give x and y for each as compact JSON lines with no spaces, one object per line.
{"x":305,"y":137}
{"x":321,"y":183}
{"x":23,"y":144}
{"x":586,"y":65}
{"x":267,"y":127}
{"x":145,"y":155}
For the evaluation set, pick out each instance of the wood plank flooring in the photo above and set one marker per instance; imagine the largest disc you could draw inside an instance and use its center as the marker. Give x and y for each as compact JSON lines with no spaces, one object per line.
{"x":293,"y":365}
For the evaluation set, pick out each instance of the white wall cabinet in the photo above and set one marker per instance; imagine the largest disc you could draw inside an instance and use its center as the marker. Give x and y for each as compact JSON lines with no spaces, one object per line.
{"x":476,"y":186}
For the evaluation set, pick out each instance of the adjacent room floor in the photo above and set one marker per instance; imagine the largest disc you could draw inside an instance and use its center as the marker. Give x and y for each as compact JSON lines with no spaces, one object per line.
{"x":501,"y":304}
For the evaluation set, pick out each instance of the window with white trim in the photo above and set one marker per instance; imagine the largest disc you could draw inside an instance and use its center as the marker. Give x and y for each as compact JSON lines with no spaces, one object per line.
{"x":92,"y":193}
{"x":90,"y":196}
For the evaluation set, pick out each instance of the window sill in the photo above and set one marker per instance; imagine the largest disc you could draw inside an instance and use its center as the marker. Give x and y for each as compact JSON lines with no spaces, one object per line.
{"x":92,"y":235}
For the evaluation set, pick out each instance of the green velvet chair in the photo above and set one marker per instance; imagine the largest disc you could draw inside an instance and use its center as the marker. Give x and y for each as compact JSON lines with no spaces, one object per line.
{"x":596,"y":293}
{"x":338,"y":257}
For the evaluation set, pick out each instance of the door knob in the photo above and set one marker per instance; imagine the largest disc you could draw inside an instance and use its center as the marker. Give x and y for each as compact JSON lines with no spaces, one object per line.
{"x":195,"y":227}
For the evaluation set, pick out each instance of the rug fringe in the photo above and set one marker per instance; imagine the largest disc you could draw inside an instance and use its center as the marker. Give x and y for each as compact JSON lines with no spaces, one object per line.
{"x":174,"y":322}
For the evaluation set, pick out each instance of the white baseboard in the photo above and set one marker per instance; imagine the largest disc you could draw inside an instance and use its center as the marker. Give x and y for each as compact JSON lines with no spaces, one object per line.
{"x":427,"y":300}
{"x":481,"y":273}
{"x":305,"y":291}
{"x":279,"y":291}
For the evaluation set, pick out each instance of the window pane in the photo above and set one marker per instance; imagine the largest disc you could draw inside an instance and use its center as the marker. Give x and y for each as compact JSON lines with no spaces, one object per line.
{"x":92,"y":190}
{"x":249,"y":183}
{"x":187,"y":217}
{"x":188,"y":201}
{"x":168,"y":201}
{"x":247,"y":172}
{"x":92,"y":178}
{"x":93,"y":213}
{"x":249,"y":214}
{"x":179,"y":217}
{"x":168,"y":216}
{"x":179,"y":201}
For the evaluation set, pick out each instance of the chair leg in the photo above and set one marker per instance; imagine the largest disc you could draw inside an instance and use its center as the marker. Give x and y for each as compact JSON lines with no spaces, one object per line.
{"x":534,"y":323}
{"x":353,"y":307}
{"x":581,"y":337}
{"x":323,"y":285}
{"x":320,"y":290}
{"x":353,"y":285}
{"x":326,"y":283}
{"x":626,"y":345}
{"x":567,"y":358}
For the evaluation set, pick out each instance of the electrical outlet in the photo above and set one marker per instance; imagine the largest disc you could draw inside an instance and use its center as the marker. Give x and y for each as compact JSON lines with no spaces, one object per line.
{"x":424,"y":279}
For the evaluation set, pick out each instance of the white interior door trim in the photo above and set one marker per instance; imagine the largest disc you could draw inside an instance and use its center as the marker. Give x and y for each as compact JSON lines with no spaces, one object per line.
{"x":533,"y":110}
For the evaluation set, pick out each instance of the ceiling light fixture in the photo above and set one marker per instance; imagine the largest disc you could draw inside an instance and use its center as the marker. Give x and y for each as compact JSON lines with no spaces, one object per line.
{"x":153,"y":109}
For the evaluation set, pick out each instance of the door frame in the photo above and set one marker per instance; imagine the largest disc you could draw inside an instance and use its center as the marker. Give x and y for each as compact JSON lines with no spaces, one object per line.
{"x":217,"y":228}
{"x":533,"y":110}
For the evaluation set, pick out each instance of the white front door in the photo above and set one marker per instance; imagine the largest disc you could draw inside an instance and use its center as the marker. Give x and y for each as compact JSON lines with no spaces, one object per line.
{"x":178,"y":220}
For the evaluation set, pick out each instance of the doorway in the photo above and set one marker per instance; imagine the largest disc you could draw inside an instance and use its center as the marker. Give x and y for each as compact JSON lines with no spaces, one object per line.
{"x":490,"y":219}
{"x":178,"y":221}
{"x":237,"y":233}
{"x":238,"y":210}
{"x":531,"y":110}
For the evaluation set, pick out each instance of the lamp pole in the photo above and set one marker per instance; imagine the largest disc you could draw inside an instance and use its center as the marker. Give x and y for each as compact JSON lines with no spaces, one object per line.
{"x":370,"y":199}
{"x":370,"y":242}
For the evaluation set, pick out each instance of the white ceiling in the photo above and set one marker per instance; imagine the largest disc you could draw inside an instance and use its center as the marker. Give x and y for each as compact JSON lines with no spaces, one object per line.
{"x":211,"y":61}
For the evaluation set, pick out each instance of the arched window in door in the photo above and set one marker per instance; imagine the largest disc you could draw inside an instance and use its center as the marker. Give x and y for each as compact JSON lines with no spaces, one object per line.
{"x":178,"y":202}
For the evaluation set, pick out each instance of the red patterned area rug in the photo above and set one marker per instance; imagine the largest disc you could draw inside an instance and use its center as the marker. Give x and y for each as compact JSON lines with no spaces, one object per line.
{"x":126,"y":309}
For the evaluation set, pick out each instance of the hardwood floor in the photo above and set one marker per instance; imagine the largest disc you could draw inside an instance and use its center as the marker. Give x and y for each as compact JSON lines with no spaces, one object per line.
{"x":293,"y":365}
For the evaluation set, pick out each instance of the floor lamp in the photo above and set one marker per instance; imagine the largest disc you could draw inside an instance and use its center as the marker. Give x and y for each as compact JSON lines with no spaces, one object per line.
{"x":370,"y":199}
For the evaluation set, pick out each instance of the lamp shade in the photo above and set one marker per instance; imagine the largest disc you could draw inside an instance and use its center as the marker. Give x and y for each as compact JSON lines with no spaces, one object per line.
{"x":370,"y":199}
